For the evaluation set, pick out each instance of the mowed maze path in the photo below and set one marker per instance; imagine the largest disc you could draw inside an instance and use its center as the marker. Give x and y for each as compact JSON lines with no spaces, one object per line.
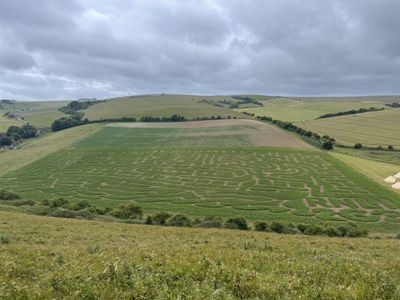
{"x":205,"y":171}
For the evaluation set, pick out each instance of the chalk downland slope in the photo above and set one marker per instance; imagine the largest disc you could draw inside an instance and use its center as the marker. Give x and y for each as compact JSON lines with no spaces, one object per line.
{"x":188,"y":106}
{"x":296,"y":110}
{"x":379,"y":128}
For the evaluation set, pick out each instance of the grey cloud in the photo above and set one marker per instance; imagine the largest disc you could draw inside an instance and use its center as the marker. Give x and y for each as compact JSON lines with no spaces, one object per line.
{"x":86,"y":48}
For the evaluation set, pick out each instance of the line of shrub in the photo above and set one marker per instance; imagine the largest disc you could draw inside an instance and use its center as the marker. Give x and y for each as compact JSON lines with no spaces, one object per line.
{"x":73,"y":107}
{"x":132,"y":212}
{"x":350,"y":112}
{"x":393,"y":105}
{"x":325,"y":142}
{"x":76,"y":120}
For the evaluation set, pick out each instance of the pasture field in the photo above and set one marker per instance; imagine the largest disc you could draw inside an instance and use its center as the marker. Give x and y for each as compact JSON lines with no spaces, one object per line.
{"x":160,"y":106}
{"x":373,"y":129}
{"x":388,"y":157}
{"x":160,"y":169}
{"x":6,"y":122}
{"x":51,"y":258}
{"x":34,"y":149}
{"x":33,"y":106}
{"x":42,"y":119}
{"x":294,"y":110}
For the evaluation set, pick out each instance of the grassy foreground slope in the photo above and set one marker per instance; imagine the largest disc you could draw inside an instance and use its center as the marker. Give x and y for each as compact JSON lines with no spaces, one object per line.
{"x":48,"y":258}
{"x":372,"y":129}
{"x":158,"y":105}
{"x":296,"y":110}
{"x":165,"y":169}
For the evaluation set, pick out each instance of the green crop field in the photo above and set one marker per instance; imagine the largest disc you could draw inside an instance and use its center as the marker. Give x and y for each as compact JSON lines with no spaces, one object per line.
{"x":372,"y":129}
{"x":50,"y":258}
{"x":165,"y":170}
{"x":156,"y":105}
{"x":295,"y":110}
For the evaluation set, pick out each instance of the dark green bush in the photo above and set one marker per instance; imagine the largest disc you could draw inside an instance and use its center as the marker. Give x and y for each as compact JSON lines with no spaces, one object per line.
{"x":343,"y":230}
{"x":302,"y":227}
{"x":331,"y":231}
{"x":6,"y":195}
{"x":261,"y":226}
{"x":129,"y":210}
{"x":4,"y":239}
{"x":5,"y":141}
{"x":60,"y":202}
{"x":328,"y":145}
{"x":149,"y":220}
{"x":80,"y":205}
{"x":236,"y":223}
{"x":161,"y":218}
{"x":314,"y":230}
{"x":277,"y":227}
{"x":358,"y":146}
{"x":179,"y":220}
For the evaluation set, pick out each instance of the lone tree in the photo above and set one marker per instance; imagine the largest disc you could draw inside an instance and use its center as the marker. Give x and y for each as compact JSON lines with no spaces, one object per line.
{"x":328,"y":145}
{"x":358,"y":146}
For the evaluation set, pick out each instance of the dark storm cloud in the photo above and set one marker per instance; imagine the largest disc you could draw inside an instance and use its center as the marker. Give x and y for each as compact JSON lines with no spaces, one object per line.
{"x":87,"y":48}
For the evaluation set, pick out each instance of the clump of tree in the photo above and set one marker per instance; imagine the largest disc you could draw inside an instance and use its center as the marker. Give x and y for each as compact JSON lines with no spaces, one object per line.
{"x":7,"y":195}
{"x":173,"y":118}
{"x":351,"y":112}
{"x":393,"y":105}
{"x":129,"y":210}
{"x":7,"y":101}
{"x":344,"y":230}
{"x":76,"y":120}
{"x":68,"y":122}
{"x":74,"y":106}
{"x":246,"y":100}
{"x":16,"y":134}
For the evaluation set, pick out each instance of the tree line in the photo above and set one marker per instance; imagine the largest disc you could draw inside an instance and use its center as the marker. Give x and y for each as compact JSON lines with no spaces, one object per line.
{"x":325,"y":142}
{"x":350,"y":112}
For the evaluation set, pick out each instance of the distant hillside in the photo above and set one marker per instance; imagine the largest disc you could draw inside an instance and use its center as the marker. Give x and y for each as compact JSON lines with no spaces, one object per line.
{"x":162,"y":106}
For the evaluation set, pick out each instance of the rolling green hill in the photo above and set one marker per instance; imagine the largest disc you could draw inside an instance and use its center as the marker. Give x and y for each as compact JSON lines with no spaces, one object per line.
{"x":296,"y":110}
{"x":372,"y":129}
{"x":158,"y":105}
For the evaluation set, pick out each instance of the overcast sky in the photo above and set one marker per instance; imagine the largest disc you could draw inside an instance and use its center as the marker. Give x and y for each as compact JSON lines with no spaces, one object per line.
{"x":68,"y":49}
